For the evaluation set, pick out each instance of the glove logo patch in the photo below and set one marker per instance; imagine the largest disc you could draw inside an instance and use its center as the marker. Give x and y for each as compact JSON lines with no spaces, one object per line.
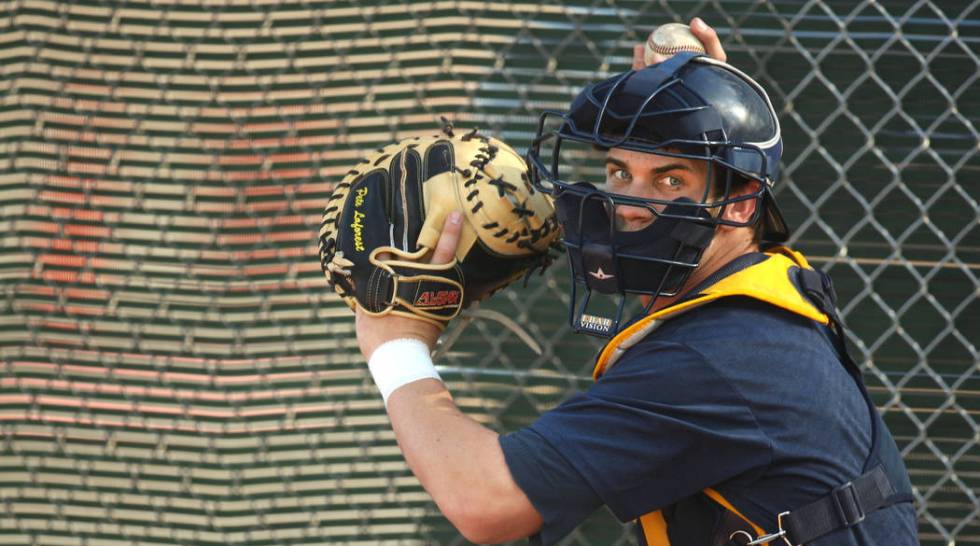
{"x":437,"y":298}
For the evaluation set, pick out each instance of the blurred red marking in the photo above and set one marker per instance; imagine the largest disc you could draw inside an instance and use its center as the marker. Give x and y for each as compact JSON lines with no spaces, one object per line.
{"x":286,"y":220}
{"x":101,"y":90}
{"x":41,"y":307}
{"x":61,"y":196}
{"x":60,"y":325}
{"x":86,"y":294}
{"x":82,"y":247}
{"x":240,"y":160}
{"x":76,"y":214}
{"x":88,"y":152}
{"x":280,"y":269}
{"x":103,"y":422}
{"x":271,"y":174}
{"x":79,"y":230}
{"x":89,"y":168}
{"x":157,"y":392}
{"x":63,"y":260}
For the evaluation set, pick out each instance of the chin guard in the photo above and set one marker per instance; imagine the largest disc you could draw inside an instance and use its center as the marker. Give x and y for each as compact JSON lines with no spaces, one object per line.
{"x":654,"y":261}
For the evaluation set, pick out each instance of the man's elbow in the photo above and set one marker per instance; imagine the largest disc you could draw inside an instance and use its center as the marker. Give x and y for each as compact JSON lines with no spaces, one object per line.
{"x":491,"y":521}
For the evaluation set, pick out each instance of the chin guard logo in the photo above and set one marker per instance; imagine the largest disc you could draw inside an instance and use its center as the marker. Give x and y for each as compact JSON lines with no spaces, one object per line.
{"x":592,"y":323}
{"x":601,"y":275}
{"x":437,"y":298}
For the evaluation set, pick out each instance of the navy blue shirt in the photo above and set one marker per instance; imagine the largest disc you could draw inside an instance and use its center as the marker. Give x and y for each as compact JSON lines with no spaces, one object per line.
{"x":736,"y":395}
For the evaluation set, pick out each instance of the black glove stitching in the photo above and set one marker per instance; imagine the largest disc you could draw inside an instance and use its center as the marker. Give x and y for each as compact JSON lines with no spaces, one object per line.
{"x":502,"y":185}
{"x":522,"y":211}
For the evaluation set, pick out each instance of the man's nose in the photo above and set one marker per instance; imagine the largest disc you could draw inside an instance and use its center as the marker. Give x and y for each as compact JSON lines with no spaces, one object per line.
{"x":630,"y":218}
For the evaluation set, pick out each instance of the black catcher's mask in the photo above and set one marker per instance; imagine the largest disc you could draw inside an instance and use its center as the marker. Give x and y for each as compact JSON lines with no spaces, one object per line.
{"x":689,"y":106}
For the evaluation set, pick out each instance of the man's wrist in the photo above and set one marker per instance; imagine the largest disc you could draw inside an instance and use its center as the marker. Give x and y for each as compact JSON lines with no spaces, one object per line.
{"x":399,"y":362}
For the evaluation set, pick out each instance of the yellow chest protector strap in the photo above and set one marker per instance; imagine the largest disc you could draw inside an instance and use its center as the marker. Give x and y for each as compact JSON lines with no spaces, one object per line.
{"x":654,"y":526}
{"x":769,"y":281}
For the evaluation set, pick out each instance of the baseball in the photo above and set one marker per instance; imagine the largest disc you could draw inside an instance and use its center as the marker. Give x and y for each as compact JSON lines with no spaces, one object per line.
{"x":669,"y":39}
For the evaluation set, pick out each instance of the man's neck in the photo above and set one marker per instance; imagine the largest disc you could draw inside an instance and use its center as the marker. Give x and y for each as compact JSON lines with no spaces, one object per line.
{"x":711,"y":263}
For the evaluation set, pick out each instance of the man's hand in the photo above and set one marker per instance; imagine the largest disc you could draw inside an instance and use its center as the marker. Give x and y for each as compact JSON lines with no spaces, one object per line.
{"x":373,"y":331}
{"x":707,"y":35}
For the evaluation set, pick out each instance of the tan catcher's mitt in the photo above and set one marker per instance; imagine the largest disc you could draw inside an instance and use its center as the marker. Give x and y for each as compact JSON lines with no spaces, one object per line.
{"x":383,"y":220}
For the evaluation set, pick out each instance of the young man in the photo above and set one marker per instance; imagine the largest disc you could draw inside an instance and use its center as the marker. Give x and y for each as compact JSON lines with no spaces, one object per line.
{"x":727,"y":414}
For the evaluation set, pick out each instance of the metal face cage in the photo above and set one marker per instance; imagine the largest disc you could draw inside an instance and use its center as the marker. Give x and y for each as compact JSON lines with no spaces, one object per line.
{"x":654,"y":261}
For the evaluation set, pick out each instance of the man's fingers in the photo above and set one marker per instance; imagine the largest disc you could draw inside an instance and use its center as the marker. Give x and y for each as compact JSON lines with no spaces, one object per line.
{"x":707,"y":35}
{"x":449,"y":239}
{"x":709,"y":38}
{"x":638,"y":61}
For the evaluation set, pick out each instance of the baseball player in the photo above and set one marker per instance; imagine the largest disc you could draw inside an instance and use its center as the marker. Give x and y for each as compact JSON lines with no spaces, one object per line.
{"x":728,"y":412}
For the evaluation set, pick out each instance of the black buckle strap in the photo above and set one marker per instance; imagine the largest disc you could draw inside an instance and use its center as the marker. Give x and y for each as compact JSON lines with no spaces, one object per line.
{"x":844,"y":507}
{"x":848,"y":504}
{"x":820,"y":289}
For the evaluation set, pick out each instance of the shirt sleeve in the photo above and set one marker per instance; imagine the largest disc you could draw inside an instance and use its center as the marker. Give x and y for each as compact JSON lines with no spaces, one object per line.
{"x":556,"y":489}
{"x":659,"y":426}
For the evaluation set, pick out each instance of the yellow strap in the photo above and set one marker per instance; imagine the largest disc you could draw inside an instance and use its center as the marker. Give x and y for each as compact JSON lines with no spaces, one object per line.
{"x":654,"y":529}
{"x":655,"y":526}
{"x":769,"y":281}
{"x":766,"y":281}
{"x":717,"y":497}
{"x":614,"y":343}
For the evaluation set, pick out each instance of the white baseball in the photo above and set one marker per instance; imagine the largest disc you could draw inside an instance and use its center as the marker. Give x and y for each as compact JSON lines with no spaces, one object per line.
{"x":666,"y":40}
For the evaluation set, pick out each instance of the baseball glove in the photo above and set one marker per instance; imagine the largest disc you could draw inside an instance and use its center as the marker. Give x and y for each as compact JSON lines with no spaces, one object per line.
{"x":383,"y":220}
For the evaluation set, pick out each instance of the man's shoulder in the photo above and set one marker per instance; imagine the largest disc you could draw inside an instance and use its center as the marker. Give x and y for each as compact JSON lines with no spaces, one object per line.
{"x":740,"y":322}
{"x":723,"y":329}
{"x":758,"y":349}
{"x":739,"y":313}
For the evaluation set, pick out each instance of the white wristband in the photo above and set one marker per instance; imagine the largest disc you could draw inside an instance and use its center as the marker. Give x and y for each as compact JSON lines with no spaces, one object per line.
{"x":399,"y":362}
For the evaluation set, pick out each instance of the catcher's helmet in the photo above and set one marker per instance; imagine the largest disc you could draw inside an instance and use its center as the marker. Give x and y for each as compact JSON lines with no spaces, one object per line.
{"x":689,"y":106}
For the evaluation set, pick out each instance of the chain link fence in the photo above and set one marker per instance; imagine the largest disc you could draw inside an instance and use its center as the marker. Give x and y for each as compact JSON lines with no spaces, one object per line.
{"x":173,"y":369}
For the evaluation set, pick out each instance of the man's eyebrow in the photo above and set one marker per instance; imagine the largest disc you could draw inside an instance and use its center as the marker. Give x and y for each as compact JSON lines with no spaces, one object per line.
{"x":659,"y":170}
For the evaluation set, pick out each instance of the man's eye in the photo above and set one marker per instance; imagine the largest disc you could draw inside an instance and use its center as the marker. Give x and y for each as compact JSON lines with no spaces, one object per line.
{"x":621,"y":174}
{"x":672,"y":182}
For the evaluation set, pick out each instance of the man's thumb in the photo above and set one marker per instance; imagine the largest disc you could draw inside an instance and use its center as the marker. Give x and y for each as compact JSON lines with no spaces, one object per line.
{"x":449,"y":239}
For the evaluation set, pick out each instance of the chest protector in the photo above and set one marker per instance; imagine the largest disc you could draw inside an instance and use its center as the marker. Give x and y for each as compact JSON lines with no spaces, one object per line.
{"x":783,"y":279}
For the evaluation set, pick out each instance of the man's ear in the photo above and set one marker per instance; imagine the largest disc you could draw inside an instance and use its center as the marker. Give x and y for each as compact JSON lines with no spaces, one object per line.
{"x":741,"y":211}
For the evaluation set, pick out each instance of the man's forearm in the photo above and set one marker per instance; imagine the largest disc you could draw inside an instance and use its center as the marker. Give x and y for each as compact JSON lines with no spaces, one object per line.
{"x":460,"y":463}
